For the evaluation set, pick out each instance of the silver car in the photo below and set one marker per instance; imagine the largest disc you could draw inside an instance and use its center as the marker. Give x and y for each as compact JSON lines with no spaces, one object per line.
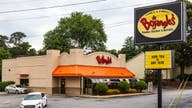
{"x":14,"y":89}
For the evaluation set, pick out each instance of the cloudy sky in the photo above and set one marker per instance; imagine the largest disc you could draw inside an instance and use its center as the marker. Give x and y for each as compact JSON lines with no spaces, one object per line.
{"x":117,"y":16}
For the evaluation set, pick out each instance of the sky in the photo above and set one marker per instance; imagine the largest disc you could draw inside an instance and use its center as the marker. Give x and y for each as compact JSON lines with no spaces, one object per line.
{"x":116,"y":15}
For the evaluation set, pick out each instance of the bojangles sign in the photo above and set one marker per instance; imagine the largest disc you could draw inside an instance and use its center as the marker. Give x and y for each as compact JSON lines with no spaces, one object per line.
{"x":157,"y":23}
{"x":160,"y":23}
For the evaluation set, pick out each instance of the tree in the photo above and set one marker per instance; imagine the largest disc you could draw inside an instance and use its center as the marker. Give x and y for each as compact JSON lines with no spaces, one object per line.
{"x":183,"y":51}
{"x":3,"y":41}
{"x":4,"y":54}
{"x":130,"y":49}
{"x":22,"y":49}
{"x":16,"y":38}
{"x":114,"y":52}
{"x":77,"y":31}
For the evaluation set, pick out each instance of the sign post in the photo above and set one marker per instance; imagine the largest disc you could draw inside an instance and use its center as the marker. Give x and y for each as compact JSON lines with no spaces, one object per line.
{"x":159,"y":84}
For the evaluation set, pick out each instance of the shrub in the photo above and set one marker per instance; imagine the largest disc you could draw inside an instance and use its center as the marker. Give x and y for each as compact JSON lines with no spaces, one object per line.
{"x":123,"y":86}
{"x":141,"y":85}
{"x":131,"y":90}
{"x":113,"y":91}
{"x":101,"y":88}
{"x":4,"y":84}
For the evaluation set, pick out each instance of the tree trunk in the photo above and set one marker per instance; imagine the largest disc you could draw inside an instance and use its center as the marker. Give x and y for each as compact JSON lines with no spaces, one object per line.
{"x":182,"y":69}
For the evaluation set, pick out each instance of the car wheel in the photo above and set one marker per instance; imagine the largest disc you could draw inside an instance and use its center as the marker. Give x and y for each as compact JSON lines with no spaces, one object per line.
{"x":16,"y":92}
{"x":7,"y":91}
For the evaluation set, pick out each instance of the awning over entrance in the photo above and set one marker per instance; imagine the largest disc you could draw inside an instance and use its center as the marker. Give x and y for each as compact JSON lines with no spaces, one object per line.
{"x":22,"y":73}
{"x":92,"y":71}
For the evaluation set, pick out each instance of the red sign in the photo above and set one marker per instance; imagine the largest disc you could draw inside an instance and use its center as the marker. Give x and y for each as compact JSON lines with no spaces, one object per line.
{"x":103,"y":60}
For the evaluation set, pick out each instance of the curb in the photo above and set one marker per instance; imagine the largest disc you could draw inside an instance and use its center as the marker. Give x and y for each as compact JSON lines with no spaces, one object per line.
{"x":113,"y":96}
{"x":3,"y":93}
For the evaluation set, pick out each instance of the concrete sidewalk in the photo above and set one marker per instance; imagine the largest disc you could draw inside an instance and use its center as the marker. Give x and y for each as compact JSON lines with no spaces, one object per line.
{"x":118,"y":95}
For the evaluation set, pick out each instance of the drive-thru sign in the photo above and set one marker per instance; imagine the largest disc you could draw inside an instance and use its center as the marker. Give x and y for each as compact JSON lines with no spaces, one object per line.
{"x":159,"y":59}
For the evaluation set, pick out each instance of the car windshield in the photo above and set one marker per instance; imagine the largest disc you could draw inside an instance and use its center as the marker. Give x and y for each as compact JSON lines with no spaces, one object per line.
{"x":32,"y":97}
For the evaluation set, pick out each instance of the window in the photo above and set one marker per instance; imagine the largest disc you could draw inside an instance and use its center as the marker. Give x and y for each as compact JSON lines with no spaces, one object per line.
{"x":24,"y":82}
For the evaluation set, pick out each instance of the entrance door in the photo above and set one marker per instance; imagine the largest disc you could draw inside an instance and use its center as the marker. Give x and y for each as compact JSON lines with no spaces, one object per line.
{"x":62,"y":86}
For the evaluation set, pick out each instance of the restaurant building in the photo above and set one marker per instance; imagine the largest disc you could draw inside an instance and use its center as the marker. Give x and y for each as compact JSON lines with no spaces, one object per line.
{"x":73,"y":73}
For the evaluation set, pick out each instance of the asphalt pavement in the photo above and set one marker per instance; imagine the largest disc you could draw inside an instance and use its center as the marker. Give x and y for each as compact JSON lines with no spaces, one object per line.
{"x":139,"y":101}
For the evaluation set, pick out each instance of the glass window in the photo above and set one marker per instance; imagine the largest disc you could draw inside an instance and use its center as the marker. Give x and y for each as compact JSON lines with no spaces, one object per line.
{"x":24,"y":82}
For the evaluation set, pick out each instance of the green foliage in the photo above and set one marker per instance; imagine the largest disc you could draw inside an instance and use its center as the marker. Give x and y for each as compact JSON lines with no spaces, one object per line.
{"x":132,"y":90}
{"x":114,"y":52}
{"x":4,"y":84}
{"x":113,"y":91}
{"x":141,"y":85}
{"x":22,"y":49}
{"x":16,"y":38}
{"x":129,"y":49}
{"x":123,"y":86}
{"x":3,"y":41}
{"x":101,"y":88}
{"x":4,"y":54}
{"x":77,"y":31}
{"x":183,"y":51}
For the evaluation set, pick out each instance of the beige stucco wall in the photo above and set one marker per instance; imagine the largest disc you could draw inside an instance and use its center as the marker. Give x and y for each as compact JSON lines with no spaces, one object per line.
{"x":39,"y":69}
{"x":76,"y":57}
{"x":72,"y":86}
{"x":137,"y":63}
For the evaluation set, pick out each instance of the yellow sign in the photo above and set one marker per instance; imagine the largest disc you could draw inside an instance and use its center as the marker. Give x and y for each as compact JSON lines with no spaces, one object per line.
{"x":157,"y":23}
{"x":158,"y":59}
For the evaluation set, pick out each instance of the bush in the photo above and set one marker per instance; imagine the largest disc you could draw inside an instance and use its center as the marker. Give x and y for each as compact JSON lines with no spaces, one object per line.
{"x":101,"y":88}
{"x":113,"y":91}
{"x":123,"y":86}
{"x":131,"y":90}
{"x":4,"y":84}
{"x":141,"y":85}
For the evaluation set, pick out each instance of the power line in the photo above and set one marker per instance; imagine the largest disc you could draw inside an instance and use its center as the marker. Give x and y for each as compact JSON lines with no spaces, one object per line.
{"x":56,"y":6}
{"x":117,"y":25}
{"x":97,"y":10}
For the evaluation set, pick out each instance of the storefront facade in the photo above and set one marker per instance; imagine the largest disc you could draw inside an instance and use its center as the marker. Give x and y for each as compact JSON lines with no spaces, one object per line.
{"x":65,"y":73}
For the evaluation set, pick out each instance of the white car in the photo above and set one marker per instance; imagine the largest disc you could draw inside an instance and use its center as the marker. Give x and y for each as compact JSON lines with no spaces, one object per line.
{"x":14,"y":89}
{"x":34,"y":100}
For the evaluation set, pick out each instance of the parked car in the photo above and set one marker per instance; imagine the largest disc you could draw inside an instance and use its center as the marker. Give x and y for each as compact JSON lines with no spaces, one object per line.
{"x":34,"y":100}
{"x":14,"y":89}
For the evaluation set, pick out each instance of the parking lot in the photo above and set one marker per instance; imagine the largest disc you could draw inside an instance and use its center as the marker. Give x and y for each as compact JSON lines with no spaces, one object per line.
{"x":148,"y":101}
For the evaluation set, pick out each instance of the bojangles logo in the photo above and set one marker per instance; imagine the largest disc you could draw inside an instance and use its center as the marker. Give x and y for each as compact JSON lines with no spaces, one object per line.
{"x":157,"y":23}
{"x":153,"y":23}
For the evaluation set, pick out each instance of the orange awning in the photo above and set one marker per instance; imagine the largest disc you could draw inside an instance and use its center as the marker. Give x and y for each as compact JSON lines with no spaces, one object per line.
{"x":92,"y":71}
